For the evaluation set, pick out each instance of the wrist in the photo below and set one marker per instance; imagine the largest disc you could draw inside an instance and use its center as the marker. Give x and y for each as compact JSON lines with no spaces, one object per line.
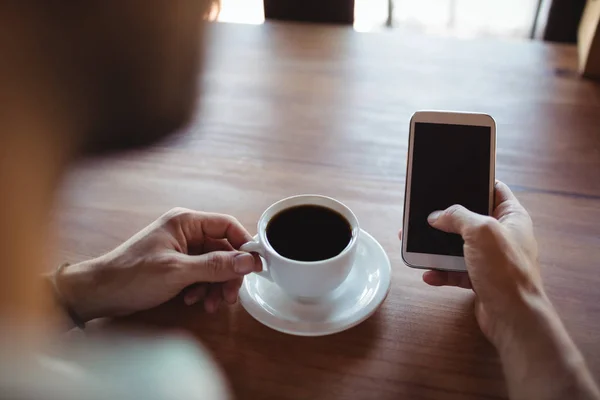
{"x":526,"y":320}
{"x":517,"y":307}
{"x":77,"y":285}
{"x":539,"y":358}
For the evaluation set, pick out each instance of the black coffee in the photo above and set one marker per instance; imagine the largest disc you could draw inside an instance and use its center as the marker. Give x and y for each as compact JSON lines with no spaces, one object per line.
{"x":309,"y":233}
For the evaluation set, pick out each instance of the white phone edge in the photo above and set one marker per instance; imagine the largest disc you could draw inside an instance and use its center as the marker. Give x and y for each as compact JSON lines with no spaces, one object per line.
{"x":436,"y":261}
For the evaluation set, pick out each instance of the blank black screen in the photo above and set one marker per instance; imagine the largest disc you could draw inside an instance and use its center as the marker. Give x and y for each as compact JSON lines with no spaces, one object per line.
{"x":450,"y":165}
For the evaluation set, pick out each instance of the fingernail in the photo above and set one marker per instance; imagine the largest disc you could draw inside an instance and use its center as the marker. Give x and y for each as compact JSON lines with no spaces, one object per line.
{"x":209,"y":306}
{"x":434,"y":216}
{"x":231,"y":297}
{"x":189,"y":300}
{"x":258,"y":266}
{"x":243,"y":263}
{"x":216,"y":305}
{"x":230,"y":294}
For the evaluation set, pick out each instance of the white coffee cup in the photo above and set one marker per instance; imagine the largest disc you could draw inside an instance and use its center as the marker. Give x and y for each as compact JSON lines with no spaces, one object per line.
{"x":305,"y":279}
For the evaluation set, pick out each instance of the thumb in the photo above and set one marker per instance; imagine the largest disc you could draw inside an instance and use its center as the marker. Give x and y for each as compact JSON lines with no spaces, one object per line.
{"x":454,"y":219}
{"x":218,"y":266}
{"x":484,"y":321}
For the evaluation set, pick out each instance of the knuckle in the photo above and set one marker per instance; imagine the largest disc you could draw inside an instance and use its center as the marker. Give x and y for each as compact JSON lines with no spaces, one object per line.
{"x":488,"y":227}
{"x":216,"y":263}
{"x":228,"y":219}
{"x":167,"y":264}
{"x":168,"y":260}
{"x":513,"y":207}
{"x":233,"y":220}
{"x":175,"y":211}
{"x":453,"y":210}
{"x":174,"y":215}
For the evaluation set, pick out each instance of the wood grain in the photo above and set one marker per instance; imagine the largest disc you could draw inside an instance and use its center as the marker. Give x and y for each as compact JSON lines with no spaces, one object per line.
{"x":288,"y":109}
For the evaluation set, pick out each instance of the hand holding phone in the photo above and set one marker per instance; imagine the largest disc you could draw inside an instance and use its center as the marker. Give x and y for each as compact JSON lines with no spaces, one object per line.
{"x":511,"y":306}
{"x":489,"y":234}
{"x":451,"y":160}
{"x":501,"y":256}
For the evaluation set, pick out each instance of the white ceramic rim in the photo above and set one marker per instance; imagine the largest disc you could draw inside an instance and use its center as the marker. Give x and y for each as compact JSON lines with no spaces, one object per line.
{"x":308,"y":199}
{"x":258,"y":312}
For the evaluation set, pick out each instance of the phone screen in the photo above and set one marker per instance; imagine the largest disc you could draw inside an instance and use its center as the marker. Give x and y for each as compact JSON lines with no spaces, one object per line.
{"x":450,"y":165}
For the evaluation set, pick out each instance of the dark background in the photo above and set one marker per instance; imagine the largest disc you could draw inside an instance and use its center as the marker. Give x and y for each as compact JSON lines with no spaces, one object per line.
{"x":561,"y":26}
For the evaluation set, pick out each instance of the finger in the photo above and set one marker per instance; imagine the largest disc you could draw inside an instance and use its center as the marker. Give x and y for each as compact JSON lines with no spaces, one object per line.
{"x":447,"y":278}
{"x":482,"y":317}
{"x":213,"y":299}
{"x":459,"y":279}
{"x":220,"y":226}
{"x":211,"y":245}
{"x":257,"y":262}
{"x":400,"y":234}
{"x":435,"y":278}
{"x":506,"y":204}
{"x":217,"y":266}
{"x":503,"y":193}
{"x":195,"y":293}
{"x":455,"y":219}
{"x":231,"y":290}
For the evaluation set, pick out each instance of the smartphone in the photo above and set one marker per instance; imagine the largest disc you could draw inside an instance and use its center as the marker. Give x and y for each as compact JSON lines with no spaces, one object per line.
{"x":451,"y":160}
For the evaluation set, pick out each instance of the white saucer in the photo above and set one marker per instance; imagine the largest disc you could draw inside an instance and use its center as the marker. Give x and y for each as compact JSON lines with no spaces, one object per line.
{"x":355,"y":300}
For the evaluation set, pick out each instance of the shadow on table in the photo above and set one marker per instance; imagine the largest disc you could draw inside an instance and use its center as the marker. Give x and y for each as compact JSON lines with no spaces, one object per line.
{"x":258,"y":361}
{"x":438,"y":353}
{"x":263,"y":363}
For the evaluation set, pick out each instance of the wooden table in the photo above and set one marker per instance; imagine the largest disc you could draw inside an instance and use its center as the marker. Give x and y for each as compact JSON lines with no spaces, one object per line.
{"x":289,"y":109}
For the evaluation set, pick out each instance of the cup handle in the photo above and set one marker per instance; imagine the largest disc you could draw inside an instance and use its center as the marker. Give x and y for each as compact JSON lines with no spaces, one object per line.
{"x":254,"y":246}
